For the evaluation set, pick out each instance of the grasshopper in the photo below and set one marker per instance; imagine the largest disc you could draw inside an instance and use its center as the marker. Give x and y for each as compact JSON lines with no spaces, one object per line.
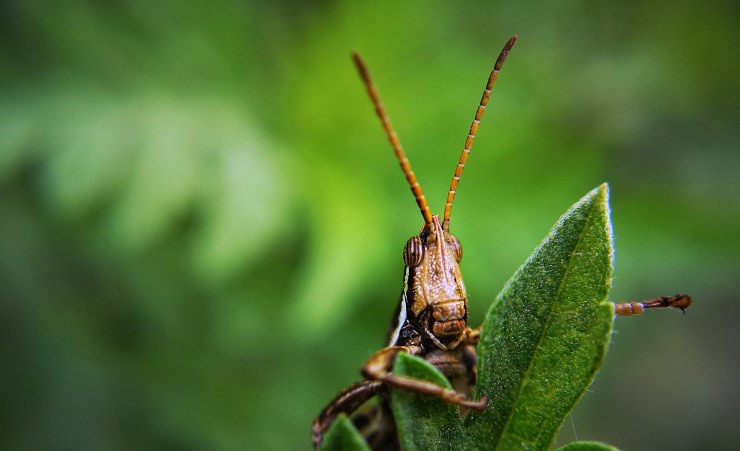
{"x":431,"y":319}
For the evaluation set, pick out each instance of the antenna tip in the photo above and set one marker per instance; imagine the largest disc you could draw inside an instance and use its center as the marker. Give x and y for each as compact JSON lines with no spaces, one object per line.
{"x":505,"y":52}
{"x":361,"y":68}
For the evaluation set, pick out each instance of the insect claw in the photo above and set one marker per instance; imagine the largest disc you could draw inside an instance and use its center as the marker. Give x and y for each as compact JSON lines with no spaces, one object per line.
{"x":681,"y":301}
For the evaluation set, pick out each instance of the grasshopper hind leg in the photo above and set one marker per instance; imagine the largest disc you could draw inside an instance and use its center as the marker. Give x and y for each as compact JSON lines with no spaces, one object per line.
{"x":376,"y":423}
{"x":347,"y":402}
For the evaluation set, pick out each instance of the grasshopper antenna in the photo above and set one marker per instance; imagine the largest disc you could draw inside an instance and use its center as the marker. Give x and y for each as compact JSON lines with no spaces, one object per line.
{"x":474,"y":129}
{"x":421,"y":201}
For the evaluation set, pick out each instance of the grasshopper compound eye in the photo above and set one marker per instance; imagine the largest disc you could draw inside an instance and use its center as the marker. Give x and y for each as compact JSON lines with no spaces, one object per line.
{"x":413,"y":252}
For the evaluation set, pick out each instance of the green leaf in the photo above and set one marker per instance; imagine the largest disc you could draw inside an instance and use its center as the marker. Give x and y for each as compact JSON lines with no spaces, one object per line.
{"x":546,"y":334}
{"x":587,"y":446}
{"x":424,"y":422}
{"x":343,"y":436}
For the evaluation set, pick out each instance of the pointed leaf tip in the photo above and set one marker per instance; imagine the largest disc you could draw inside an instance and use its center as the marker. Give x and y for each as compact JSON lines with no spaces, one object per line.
{"x":343,"y":436}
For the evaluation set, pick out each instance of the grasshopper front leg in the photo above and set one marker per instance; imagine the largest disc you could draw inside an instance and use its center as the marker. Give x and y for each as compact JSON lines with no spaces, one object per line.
{"x":472,"y":336}
{"x":679,"y":301}
{"x":378,"y":368}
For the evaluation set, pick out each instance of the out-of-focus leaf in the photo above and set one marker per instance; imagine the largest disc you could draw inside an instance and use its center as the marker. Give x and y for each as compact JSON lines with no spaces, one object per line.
{"x":17,"y":127}
{"x":343,"y":436}
{"x":247,"y":207}
{"x":89,"y":144}
{"x":335,"y":270}
{"x":424,"y":422}
{"x":149,"y":166}
{"x":163,"y":184}
{"x":546,"y":334}
{"x":587,"y":446}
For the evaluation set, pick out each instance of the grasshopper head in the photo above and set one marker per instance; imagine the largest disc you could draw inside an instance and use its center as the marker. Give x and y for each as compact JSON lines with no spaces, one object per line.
{"x":435,"y":296}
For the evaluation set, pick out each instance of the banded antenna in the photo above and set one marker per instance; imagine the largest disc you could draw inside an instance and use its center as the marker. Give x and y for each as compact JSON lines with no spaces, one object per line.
{"x":421,"y":201}
{"x":474,"y":129}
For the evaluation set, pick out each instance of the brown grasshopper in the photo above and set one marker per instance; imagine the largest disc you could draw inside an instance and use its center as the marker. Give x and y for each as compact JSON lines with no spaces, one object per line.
{"x":431,"y":320}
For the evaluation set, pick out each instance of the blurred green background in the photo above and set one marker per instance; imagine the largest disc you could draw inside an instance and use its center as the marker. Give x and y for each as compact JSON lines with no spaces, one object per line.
{"x":201,"y":221}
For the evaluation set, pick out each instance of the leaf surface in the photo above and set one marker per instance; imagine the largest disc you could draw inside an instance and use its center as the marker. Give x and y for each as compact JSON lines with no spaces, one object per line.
{"x":424,"y":422}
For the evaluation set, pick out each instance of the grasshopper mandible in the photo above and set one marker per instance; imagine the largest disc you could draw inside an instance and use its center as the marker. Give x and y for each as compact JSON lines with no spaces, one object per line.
{"x":431,"y":319}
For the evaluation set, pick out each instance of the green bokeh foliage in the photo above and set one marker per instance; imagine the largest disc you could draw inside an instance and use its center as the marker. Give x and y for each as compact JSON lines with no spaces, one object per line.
{"x":201,"y":221}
